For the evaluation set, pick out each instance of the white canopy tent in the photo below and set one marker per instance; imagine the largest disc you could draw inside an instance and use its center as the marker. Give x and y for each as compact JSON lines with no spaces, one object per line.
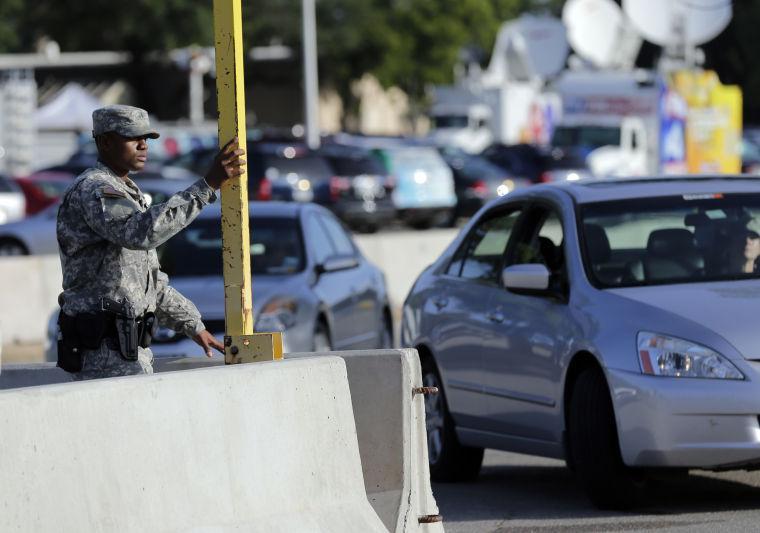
{"x":70,"y":110}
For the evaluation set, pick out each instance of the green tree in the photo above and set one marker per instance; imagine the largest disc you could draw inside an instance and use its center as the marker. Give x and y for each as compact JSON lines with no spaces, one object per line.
{"x":10,"y":17}
{"x":138,"y":26}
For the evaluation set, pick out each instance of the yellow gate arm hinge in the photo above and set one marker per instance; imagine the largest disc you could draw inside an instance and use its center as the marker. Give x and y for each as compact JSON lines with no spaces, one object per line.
{"x":241,"y":344}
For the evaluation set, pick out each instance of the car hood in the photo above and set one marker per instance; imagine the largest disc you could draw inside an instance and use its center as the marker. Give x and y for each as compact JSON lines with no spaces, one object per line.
{"x":207,"y":292}
{"x":728,"y":308}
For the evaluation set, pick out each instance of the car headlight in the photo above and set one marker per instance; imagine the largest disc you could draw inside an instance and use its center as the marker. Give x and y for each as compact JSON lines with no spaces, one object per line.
{"x":165,"y":335}
{"x":277,"y":315}
{"x":660,"y":355}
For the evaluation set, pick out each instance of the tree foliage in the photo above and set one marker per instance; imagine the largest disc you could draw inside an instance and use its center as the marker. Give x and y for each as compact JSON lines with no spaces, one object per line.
{"x":408,"y":43}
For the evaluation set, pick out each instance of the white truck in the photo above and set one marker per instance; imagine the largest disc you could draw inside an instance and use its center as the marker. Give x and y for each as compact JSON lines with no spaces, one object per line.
{"x":498,"y":104}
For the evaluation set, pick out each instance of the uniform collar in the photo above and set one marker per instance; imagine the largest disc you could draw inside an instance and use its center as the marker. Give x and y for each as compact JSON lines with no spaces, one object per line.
{"x":127,"y":184}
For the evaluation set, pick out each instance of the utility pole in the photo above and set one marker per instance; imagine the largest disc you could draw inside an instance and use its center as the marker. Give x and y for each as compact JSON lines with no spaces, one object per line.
{"x":242,"y":345}
{"x":310,"y":79}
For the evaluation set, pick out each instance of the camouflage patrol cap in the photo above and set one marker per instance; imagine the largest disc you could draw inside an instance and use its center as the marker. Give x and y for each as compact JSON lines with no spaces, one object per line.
{"x":125,"y":120}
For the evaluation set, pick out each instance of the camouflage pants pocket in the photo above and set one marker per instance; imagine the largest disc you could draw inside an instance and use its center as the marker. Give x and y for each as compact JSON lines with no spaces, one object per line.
{"x":106,"y":362}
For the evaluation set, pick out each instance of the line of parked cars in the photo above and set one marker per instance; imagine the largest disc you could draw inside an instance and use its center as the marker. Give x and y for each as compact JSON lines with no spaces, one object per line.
{"x":369,"y":181}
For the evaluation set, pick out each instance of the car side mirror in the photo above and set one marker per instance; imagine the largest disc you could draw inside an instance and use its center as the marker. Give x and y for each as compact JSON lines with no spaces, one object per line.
{"x":534,"y":279}
{"x":337,"y":263}
{"x":526,"y":277}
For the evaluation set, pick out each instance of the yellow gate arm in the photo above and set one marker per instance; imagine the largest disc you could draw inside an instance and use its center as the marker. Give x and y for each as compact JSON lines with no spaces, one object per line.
{"x":242,"y":345}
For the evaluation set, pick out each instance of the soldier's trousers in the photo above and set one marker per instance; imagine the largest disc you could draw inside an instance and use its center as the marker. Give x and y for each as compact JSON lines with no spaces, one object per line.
{"x":107,"y":362}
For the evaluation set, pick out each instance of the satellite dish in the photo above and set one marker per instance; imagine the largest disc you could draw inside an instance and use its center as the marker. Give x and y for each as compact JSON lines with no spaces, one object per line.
{"x":599,"y":33}
{"x":530,"y":47}
{"x":663,"y":21}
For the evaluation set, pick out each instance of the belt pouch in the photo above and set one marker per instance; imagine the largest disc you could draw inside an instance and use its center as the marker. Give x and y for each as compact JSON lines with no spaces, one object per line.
{"x":91,"y":328}
{"x":147,"y":325}
{"x":69,"y":349}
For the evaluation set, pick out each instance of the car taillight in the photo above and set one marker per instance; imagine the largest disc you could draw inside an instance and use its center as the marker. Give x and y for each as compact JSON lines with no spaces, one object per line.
{"x":37,"y":197}
{"x":480,"y":188}
{"x":338,"y":186}
{"x":546,"y":177}
{"x":264,"y":194}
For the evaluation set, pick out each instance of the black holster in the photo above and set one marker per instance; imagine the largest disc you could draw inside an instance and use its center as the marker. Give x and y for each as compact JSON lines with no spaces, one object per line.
{"x":134,"y":332}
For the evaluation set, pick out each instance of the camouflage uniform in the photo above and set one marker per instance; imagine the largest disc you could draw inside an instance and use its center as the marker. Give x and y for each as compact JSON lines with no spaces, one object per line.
{"x":107,"y":236}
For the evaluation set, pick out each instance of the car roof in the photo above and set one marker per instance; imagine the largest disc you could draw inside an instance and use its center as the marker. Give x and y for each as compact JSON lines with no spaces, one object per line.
{"x":262,"y":209}
{"x":610,"y":189}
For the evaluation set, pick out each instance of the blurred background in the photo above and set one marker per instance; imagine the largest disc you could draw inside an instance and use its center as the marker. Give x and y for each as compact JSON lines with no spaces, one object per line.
{"x":397,"y":116}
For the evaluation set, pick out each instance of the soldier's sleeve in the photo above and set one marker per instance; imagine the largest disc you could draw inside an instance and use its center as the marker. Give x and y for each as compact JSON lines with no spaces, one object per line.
{"x":174,"y":311}
{"x":116,"y":217}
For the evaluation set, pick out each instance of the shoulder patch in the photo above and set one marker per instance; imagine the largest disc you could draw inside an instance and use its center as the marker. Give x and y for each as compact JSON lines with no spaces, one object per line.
{"x":110,"y":192}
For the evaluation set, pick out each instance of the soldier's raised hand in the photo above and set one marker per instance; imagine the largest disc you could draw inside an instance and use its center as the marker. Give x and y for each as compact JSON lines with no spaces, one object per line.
{"x":228,"y":163}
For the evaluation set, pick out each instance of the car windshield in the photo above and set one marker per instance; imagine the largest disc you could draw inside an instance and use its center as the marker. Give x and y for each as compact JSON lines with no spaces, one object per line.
{"x":679,"y":239}
{"x":355,"y":166}
{"x":450,"y":121}
{"x":313,"y":167}
{"x":276,"y":248}
{"x":585,"y":137}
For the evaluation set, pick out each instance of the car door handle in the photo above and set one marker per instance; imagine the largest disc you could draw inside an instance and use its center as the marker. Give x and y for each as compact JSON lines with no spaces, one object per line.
{"x":495,"y":316}
{"x":442,"y":302}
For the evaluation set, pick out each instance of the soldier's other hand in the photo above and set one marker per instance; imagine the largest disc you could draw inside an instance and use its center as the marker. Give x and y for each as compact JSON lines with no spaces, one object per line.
{"x":228,"y":163}
{"x":206,"y":340}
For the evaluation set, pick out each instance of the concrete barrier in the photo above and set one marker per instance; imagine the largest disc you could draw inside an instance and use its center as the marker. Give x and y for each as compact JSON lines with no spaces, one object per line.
{"x":390,"y":423}
{"x":418,"y":248}
{"x":389,"y":420}
{"x":29,"y":286}
{"x":270,"y":447}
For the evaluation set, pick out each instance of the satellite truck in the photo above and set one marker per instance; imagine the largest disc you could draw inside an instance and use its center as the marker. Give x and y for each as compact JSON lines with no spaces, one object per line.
{"x":675,"y":119}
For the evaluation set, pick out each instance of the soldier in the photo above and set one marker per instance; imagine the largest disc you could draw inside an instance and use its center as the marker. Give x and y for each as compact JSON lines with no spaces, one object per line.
{"x":114,"y":292}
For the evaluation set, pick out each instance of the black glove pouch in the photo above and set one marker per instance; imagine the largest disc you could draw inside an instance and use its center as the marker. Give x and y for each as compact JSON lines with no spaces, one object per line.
{"x":69,"y":353}
{"x":146,"y":327}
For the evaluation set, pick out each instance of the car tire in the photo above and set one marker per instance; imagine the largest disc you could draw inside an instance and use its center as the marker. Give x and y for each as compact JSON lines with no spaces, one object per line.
{"x":594,"y":445}
{"x":449,"y":460}
{"x":10,"y":246}
{"x":321,"y":341}
{"x":386,"y":339}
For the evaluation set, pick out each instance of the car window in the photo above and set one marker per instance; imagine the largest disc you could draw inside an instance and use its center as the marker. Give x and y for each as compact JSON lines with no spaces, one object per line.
{"x":480,"y":256}
{"x":6,"y":185}
{"x":319,"y":241}
{"x":341,"y":241}
{"x":690,"y":238}
{"x":541,"y":241}
{"x":276,"y":248}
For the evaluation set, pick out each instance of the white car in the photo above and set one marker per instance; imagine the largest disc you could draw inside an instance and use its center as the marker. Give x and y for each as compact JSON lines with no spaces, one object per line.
{"x":12,"y":202}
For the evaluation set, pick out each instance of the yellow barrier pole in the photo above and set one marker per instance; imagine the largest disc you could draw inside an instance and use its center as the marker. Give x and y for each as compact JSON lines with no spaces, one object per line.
{"x":242,"y":345}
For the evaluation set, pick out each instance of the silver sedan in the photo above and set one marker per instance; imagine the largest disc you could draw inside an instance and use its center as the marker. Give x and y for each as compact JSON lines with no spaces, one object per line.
{"x":609,"y":323}
{"x":310,"y":281}
{"x":35,"y":235}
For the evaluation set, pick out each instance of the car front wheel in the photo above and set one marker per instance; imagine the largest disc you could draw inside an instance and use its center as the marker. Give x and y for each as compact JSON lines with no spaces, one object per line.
{"x":594,"y":445}
{"x":10,"y":246}
{"x":449,"y":460}
{"x":321,"y":341}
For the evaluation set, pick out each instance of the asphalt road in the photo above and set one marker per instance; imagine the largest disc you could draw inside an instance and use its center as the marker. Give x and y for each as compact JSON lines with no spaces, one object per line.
{"x":518,"y":493}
